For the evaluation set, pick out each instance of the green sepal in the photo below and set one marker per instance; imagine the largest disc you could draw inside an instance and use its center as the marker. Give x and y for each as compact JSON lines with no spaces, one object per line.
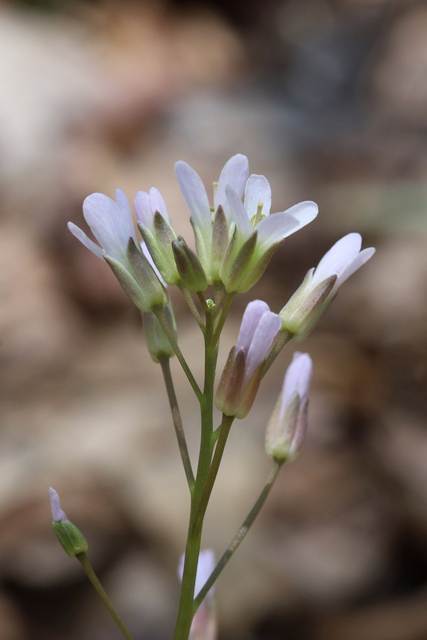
{"x":305,"y":307}
{"x":235,"y":267}
{"x":189,"y":266}
{"x":256,"y":268}
{"x":157,"y":341}
{"x":153,"y":291}
{"x":159,"y":243}
{"x":70,"y":538}
{"x":219,"y":243}
{"x":129,"y":284}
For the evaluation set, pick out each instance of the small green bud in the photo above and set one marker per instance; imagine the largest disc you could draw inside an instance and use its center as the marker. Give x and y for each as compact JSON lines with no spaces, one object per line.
{"x":70,"y":537}
{"x":157,"y":341}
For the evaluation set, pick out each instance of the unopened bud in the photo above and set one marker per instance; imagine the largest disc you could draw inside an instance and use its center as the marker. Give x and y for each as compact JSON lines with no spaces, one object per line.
{"x":70,"y":537}
{"x":288,"y":424}
{"x":189,"y":266}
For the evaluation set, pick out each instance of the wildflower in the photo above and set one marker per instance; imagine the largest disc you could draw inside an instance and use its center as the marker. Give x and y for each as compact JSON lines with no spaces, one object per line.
{"x":156,"y":228}
{"x":243,"y":371}
{"x":288,"y":424}
{"x":236,"y":243}
{"x":204,"y":625}
{"x":70,"y":537}
{"x":321,"y":285}
{"x":112,"y":225}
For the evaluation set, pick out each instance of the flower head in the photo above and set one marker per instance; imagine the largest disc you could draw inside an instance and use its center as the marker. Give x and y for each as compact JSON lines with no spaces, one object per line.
{"x":243,"y":371}
{"x":70,"y":537}
{"x":112,"y":225}
{"x":235,"y":240}
{"x":288,"y":424}
{"x":321,"y":285}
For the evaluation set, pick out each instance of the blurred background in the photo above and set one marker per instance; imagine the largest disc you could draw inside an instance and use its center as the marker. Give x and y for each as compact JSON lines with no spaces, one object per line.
{"x":328,"y":98}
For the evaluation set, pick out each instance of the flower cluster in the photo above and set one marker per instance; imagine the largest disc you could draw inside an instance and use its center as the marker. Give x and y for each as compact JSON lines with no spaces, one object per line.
{"x":235,"y":237}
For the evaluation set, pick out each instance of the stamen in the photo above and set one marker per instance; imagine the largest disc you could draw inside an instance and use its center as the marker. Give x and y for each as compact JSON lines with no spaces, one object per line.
{"x":259,"y":215}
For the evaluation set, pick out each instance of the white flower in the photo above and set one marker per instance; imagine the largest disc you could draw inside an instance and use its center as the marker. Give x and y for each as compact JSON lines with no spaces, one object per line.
{"x":321,"y":285}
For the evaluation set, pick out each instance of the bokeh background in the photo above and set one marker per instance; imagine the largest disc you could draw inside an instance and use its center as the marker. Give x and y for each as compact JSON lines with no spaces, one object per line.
{"x":328,"y":98}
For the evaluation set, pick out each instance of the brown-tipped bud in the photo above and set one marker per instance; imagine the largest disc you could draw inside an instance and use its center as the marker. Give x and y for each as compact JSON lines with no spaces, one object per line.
{"x":189,"y":266}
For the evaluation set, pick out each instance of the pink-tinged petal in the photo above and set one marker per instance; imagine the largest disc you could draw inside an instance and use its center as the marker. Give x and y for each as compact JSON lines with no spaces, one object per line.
{"x":338,"y":258}
{"x":257,"y":190}
{"x":297,"y":379}
{"x":55,"y":505}
{"x":267,"y":329}
{"x":251,"y":318}
{"x":236,"y":212}
{"x":279,"y":226}
{"x":87,"y":242}
{"x":234,"y":174}
{"x":359,"y":260}
{"x":194,"y":193}
{"x":143,"y":210}
{"x":158,"y":204}
{"x":110,"y":223}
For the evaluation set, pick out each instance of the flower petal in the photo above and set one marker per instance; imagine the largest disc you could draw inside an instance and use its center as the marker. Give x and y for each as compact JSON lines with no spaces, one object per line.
{"x":143,"y":209}
{"x":236,"y":212}
{"x":257,"y":190}
{"x":88,"y":243}
{"x":158,"y":204}
{"x":297,"y":378}
{"x":234,"y":174}
{"x":278,"y":226}
{"x":339,"y":257}
{"x":359,"y":260}
{"x":55,"y":505}
{"x":267,"y":329}
{"x":111,"y":223}
{"x":253,"y":314}
{"x":194,"y":193}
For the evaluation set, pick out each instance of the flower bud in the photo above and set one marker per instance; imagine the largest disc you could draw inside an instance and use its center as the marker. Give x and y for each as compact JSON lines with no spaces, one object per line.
{"x":157,"y":341}
{"x":189,"y":266}
{"x":288,"y":424}
{"x":70,"y":537}
{"x":242,"y":374}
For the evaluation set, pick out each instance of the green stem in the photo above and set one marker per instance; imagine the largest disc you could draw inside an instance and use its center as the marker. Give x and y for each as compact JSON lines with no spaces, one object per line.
{"x":284,"y":338}
{"x":161,"y":317}
{"x":222,"y":317}
{"x":82,"y":558}
{"x":224,"y":430}
{"x":203,"y":302}
{"x":240,"y":535}
{"x":189,"y":300}
{"x":192,"y":549}
{"x":177,"y":422}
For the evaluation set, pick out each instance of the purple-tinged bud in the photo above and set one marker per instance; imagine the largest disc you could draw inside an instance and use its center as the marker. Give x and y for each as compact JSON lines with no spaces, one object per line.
{"x":243,"y":371}
{"x":287,"y":427}
{"x":204,"y":625}
{"x":70,"y":537}
{"x":321,"y":285}
{"x":55,"y":505}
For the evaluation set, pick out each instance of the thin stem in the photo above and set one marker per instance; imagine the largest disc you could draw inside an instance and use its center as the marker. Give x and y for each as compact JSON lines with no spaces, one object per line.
{"x":82,"y":558}
{"x":177,"y":422}
{"x":240,"y":535}
{"x":224,"y":430}
{"x":161,"y":317}
{"x":189,"y":300}
{"x":203,"y":302}
{"x":284,"y":338}
{"x":221,"y":318}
